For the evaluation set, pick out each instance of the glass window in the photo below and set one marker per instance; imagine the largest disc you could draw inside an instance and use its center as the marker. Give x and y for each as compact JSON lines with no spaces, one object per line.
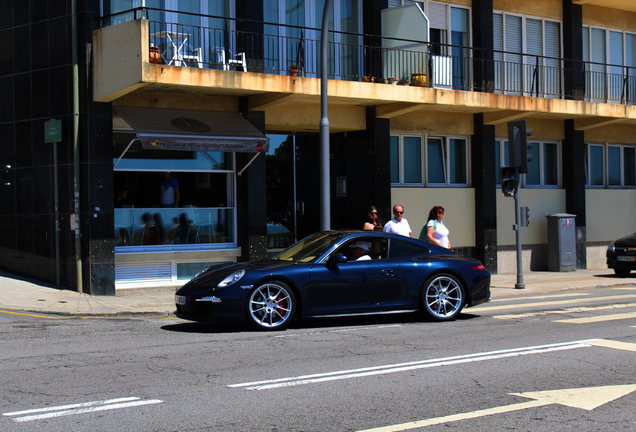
{"x":412,"y":160}
{"x":533,"y":177}
{"x":550,"y":167}
{"x":435,"y":161}
{"x":199,"y":186}
{"x":596,"y":165}
{"x":614,"y":165}
{"x":445,"y":160}
{"x":395,"y":159}
{"x":543,"y":169}
{"x":403,"y":248}
{"x":457,"y":160}
{"x":630,"y":166}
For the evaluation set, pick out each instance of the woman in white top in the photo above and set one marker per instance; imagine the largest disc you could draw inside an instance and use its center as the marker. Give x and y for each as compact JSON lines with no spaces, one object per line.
{"x":436,"y":231}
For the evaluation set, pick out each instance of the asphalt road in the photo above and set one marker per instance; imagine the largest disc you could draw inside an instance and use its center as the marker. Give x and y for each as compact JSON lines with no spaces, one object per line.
{"x":501,"y":366}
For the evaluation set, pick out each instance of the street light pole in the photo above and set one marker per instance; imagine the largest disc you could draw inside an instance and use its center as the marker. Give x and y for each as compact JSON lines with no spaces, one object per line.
{"x":325,"y":198}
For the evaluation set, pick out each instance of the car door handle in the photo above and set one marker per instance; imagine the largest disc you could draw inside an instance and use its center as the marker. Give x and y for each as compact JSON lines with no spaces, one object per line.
{"x":387,"y":272}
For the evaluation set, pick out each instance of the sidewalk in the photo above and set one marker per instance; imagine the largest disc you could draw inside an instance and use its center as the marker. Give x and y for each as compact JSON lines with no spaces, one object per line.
{"x":26,"y":296}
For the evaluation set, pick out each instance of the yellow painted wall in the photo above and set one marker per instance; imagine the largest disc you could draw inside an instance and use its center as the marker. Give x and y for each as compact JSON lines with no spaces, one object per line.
{"x":611,"y":213}
{"x":541,"y":8}
{"x":609,"y":18}
{"x":541,"y":202}
{"x":435,"y":122}
{"x":459,"y":204}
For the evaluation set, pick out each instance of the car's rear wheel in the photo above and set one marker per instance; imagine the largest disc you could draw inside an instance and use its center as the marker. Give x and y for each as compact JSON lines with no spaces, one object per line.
{"x":271,"y":306}
{"x":622,"y":272}
{"x":442,"y":297}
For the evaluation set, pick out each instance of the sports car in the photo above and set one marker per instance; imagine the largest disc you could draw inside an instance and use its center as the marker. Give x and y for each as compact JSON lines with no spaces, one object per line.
{"x":337,"y":273}
{"x":621,"y":255}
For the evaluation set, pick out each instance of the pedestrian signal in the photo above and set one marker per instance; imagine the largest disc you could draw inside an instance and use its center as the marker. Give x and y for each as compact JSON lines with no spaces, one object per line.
{"x":509,"y":181}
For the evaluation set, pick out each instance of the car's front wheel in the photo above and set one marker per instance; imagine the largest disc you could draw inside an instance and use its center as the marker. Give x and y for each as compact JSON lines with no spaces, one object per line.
{"x":442,"y":297}
{"x":271,"y":306}
{"x":622,"y":272}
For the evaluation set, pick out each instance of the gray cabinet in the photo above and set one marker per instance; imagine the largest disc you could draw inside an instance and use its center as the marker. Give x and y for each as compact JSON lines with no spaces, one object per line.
{"x":561,"y":242}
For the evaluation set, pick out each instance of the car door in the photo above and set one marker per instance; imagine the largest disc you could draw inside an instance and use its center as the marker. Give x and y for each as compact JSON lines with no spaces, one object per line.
{"x":351,"y":287}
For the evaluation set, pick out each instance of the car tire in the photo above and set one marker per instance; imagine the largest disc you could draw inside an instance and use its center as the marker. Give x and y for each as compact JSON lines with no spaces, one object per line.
{"x":622,"y":272}
{"x":271,"y":306}
{"x":442,"y":297}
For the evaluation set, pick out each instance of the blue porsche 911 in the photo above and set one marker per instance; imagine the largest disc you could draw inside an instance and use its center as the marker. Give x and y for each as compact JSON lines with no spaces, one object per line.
{"x":337,"y":273}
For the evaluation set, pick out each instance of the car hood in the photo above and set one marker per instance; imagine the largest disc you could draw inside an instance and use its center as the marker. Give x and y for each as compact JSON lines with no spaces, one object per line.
{"x":629,"y":240}
{"x":212,"y":276}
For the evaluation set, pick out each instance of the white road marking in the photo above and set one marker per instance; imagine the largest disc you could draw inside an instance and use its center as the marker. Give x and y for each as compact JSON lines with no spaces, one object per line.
{"x":537,"y":297}
{"x":565,"y":311}
{"x":551,"y":303}
{"x":598,"y":318}
{"x":348,"y":329}
{"x":79,"y":408}
{"x":402,"y":367}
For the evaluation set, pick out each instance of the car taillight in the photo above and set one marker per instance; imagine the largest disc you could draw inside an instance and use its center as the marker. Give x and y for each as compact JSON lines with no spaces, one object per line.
{"x":479,"y":266}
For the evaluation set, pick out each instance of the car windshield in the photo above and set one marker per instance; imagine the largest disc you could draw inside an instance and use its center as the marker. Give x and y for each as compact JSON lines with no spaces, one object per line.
{"x":309,"y":248}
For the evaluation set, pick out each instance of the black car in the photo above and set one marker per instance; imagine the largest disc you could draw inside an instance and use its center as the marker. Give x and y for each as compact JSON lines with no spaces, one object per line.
{"x":621,"y":255}
{"x":324,"y":275}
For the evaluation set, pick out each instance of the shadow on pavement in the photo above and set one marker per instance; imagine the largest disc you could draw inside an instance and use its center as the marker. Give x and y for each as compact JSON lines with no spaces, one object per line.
{"x":613,"y":276}
{"x":315,"y":323}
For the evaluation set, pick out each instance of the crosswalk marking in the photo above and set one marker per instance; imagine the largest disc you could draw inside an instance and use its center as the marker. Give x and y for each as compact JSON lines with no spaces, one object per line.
{"x":552,"y":303}
{"x":565,"y":311}
{"x":537,"y":297}
{"x":598,"y":318}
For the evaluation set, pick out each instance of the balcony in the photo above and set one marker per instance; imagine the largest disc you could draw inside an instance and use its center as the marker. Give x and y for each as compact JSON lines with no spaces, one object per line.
{"x":232,"y":63}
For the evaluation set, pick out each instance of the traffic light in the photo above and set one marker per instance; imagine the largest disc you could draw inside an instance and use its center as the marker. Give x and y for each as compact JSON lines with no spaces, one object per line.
{"x":509,"y":181}
{"x":517,"y":139}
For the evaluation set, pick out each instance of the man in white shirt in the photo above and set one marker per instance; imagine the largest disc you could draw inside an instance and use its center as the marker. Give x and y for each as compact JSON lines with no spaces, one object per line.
{"x":361,"y":251}
{"x":398,"y":224}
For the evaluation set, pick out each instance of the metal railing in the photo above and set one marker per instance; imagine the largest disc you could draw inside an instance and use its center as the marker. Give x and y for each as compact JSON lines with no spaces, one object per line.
{"x":276,"y":48}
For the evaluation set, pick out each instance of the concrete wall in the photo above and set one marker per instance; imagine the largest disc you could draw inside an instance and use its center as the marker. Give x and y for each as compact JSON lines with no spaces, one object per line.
{"x":459,"y":204}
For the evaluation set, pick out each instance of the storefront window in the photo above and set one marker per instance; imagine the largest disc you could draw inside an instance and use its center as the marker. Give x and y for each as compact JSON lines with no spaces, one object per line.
{"x":201,"y":210}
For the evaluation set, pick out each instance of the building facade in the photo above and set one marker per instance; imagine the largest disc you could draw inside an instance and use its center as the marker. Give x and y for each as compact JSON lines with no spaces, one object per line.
{"x":420,"y":94}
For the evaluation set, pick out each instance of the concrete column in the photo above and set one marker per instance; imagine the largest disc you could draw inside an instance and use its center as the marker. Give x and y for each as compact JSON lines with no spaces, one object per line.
{"x":484,"y":170}
{"x":573,"y":169}
{"x":251,"y":196}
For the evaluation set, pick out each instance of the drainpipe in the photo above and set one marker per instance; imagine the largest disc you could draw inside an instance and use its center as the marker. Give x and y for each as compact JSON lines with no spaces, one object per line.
{"x":76,"y":158}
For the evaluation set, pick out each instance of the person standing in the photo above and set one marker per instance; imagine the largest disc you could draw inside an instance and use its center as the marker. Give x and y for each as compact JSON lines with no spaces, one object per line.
{"x":398,"y":224}
{"x":169,"y":191}
{"x":373,"y":222}
{"x":436,"y":231}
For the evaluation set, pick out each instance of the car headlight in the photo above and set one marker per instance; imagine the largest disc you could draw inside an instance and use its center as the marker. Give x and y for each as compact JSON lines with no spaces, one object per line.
{"x":200,"y":272}
{"x":234,"y":277}
{"x":611,"y":247}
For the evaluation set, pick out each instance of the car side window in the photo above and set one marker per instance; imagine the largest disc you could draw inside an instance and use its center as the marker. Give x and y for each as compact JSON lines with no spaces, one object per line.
{"x":403,"y":249}
{"x":377,"y":248}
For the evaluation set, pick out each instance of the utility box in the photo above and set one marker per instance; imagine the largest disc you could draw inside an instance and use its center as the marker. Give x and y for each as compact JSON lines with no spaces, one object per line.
{"x":561,"y":242}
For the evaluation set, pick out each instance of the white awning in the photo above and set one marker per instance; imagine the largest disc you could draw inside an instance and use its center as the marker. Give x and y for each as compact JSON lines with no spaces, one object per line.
{"x":190,"y":130}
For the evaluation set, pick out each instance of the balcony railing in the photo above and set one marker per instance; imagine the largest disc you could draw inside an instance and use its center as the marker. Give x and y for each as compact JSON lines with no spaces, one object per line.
{"x":275,"y":48}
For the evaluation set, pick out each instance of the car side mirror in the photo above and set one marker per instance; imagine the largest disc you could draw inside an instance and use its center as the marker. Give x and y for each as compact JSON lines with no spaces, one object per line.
{"x":337,"y":259}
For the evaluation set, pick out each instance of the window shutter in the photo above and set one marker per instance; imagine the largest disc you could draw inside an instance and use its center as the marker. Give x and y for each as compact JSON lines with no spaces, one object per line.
{"x":438,"y":16}
{"x":513,"y":38}
{"x":534,"y":39}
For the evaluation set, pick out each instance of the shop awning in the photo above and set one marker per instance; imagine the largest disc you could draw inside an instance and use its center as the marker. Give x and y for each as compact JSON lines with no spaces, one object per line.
{"x":167,"y":129}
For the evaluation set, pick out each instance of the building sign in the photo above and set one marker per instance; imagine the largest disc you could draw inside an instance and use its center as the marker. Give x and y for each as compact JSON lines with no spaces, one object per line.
{"x":52,"y":131}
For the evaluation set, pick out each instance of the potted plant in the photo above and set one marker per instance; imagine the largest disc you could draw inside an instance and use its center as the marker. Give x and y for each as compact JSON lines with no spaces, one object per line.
{"x":293,"y":70}
{"x":155,"y":55}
